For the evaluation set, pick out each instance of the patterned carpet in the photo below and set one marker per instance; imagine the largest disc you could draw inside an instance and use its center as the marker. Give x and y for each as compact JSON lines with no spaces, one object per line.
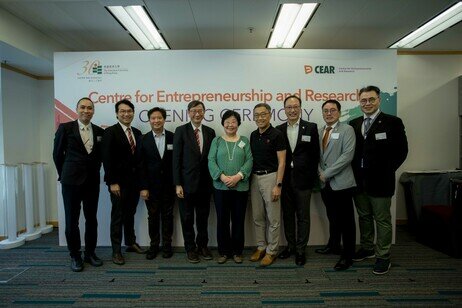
{"x":38,"y":274}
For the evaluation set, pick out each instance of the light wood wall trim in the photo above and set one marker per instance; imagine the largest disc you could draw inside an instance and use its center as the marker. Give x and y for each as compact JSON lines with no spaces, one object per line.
{"x":23,"y":72}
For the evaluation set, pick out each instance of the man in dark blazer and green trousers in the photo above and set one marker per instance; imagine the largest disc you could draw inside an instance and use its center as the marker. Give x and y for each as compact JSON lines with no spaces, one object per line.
{"x":381,"y":147}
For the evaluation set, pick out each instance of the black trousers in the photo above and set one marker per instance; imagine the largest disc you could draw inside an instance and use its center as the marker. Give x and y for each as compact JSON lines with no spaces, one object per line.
{"x":197,"y":203}
{"x":75,"y":196}
{"x":123,"y":216}
{"x":230,"y":206}
{"x":340,"y":212}
{"x":160,"y":209}
{"x":295,"y":205}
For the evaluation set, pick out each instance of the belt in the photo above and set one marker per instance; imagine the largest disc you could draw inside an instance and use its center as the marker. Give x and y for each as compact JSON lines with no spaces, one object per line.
{"x":262,"y":172}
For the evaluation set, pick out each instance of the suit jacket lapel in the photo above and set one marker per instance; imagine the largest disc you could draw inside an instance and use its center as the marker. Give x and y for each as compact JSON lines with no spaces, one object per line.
{"x":301,"y":130}
{"x":123,"y":137}
{"x":192,"y":137}
{"x":152,"y":141}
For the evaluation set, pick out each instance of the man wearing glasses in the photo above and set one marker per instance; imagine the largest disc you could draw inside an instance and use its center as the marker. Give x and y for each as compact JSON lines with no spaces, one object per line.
{"x":119,"y":161}
{"x":269,"y":156}
{"x":381,"y":147}
{"x":191,"y":177}
{"x":300,"y":175}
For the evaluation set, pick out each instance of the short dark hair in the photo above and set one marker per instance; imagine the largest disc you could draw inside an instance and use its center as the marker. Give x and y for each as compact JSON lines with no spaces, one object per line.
{"x":268,"y":107}
{"x":228,"y":114}
{"x":162,"y":111}
{"x":292,"y":96}
{"x":125,"y":102}
{"x":193,"y":104}
{"x":84,"y":99}
{"x":332,"y":101}
{"x":369,"y":89}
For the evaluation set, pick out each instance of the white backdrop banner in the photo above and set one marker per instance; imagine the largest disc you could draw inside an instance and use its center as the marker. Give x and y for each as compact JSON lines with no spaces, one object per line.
{"x":222,"y":80}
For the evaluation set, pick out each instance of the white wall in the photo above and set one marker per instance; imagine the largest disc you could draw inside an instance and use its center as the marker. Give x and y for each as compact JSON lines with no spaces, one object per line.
{"x":428,"y":105}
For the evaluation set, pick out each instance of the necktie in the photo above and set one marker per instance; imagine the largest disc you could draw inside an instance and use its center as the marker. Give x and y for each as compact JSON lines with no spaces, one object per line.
{"x":198,"y":140}
{"x":367,"y":125}
{"x":130,"y":140}
{"x":325,"y":139}
{"x":86,"y":139}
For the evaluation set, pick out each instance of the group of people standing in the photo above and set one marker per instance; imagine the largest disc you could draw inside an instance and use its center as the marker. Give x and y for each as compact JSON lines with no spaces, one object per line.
{"x":280,"y":166}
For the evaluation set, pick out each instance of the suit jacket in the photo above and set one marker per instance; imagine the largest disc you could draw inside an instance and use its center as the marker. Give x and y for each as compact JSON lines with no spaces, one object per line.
{"x":72,"y":161}
{"x":379,"y":155}
{"x":305,"y":156}
{"x":190,"y":166}
{"x":118,"y":161}
{"x":335,"y":162}
{"x":155,"y":173}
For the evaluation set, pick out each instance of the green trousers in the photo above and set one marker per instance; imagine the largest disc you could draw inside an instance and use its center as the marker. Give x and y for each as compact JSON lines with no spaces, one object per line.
{"x":376,"y":209}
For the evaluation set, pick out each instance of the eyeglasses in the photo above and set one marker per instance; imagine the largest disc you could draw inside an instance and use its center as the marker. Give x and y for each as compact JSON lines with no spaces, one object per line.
{"x":260,"y":115}
{"x":292,"y":107}
{"x":198,"y":111}
{"x":331,"y":111}
{"x":370,"y":100}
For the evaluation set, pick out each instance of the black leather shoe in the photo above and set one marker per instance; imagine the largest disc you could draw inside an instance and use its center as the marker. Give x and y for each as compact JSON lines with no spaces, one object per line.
{"x":77,"y":264}
{"x":136,"y":248}
{"x":343,"y":264}
{"x":152,"y":253}
{"x":300,"y":259}
{"x":193,"y":257}
{"x":118,"y":259}
{"x":93,"y":259}
{"x":328,"y":251}
{"x":286,"y":253}
{"x":167,"y":252}
{"x":205,"y":253}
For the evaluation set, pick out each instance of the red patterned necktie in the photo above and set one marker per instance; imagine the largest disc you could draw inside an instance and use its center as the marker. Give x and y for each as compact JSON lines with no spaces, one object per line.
{"x":326,"y":137}
{"x":198,"y":140}
{"x":130,"y":140}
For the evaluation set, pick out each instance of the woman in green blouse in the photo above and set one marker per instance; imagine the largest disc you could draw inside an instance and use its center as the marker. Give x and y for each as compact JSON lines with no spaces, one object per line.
{"x":230,"y":165}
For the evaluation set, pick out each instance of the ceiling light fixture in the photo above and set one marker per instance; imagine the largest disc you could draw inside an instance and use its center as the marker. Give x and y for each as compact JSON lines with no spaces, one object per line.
{"x":136,"y":20}
{"x":441,"y":22}
{"x":292,"y":18}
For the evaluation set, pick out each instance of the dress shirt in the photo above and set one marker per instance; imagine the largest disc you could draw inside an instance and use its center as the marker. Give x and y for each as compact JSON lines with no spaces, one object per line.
{"x":86,"y":133}
{"x":201,"y":138}
{"x":292,"y":134}
{"x":160,"y":142}
{"x":124,"y":127}
{"x":372,"y":117}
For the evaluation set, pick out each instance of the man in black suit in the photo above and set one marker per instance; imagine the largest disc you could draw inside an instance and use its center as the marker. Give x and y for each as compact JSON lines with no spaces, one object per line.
{"x":381,"y":147}
{"x":77,"y":157}
{"x":191,"y":146}
{"x":300,"y":175}
{"x":119,"y":161}
{"x":156,"y":181}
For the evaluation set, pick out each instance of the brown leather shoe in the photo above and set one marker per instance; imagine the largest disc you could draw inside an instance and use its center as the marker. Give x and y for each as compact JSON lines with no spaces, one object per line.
{"x":267,"y":260}
{"x":257,"y":255}
{"x":118,"y":259}
{"x":136,"y":248}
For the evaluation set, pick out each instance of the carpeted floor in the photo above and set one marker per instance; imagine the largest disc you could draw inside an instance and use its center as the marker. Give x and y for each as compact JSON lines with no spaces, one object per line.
{"x":38,"y":274}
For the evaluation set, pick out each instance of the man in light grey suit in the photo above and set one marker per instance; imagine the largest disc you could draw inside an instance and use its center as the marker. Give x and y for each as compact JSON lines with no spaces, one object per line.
{"x":337,"y":181}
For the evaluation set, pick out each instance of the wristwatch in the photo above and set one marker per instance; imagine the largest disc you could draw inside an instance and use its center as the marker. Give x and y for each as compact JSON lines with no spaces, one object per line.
{"x":279,"y":184}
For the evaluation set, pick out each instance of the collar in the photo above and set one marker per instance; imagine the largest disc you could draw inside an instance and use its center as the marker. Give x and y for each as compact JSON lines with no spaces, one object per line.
{"x":124,"y":127}
{"x":332,"y":126}
{"x":295,"y":124}
{"x":161,"y":134}
{"x":194,"y":128}
{"x":266,"y":131}
{"x":373,"y":116}
{"x":82,"y":126}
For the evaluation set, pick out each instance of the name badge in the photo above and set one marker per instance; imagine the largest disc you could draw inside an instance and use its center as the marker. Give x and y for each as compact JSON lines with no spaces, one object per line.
{"x":241,"y":144}
{"x":99,"y":138}
{"x":169,"y":147}
{"x":334,"y":136}
{"x":306,"y":138}
{"x":381,"y":136}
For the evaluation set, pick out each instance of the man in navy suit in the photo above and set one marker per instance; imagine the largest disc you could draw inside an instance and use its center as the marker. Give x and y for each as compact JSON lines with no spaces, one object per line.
{"x":191,"y":146}
{"x":337,"y":181}
{"x":381,"y":147}
{"x":301,"y":172}
{"x":77,"y":157}
{"x":156,"y":181}
{"x":119,"y":161}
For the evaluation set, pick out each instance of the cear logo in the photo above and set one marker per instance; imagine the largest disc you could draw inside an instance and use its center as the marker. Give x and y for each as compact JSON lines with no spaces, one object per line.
{"x":320,"y":69}
{"x":89,"y":68}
